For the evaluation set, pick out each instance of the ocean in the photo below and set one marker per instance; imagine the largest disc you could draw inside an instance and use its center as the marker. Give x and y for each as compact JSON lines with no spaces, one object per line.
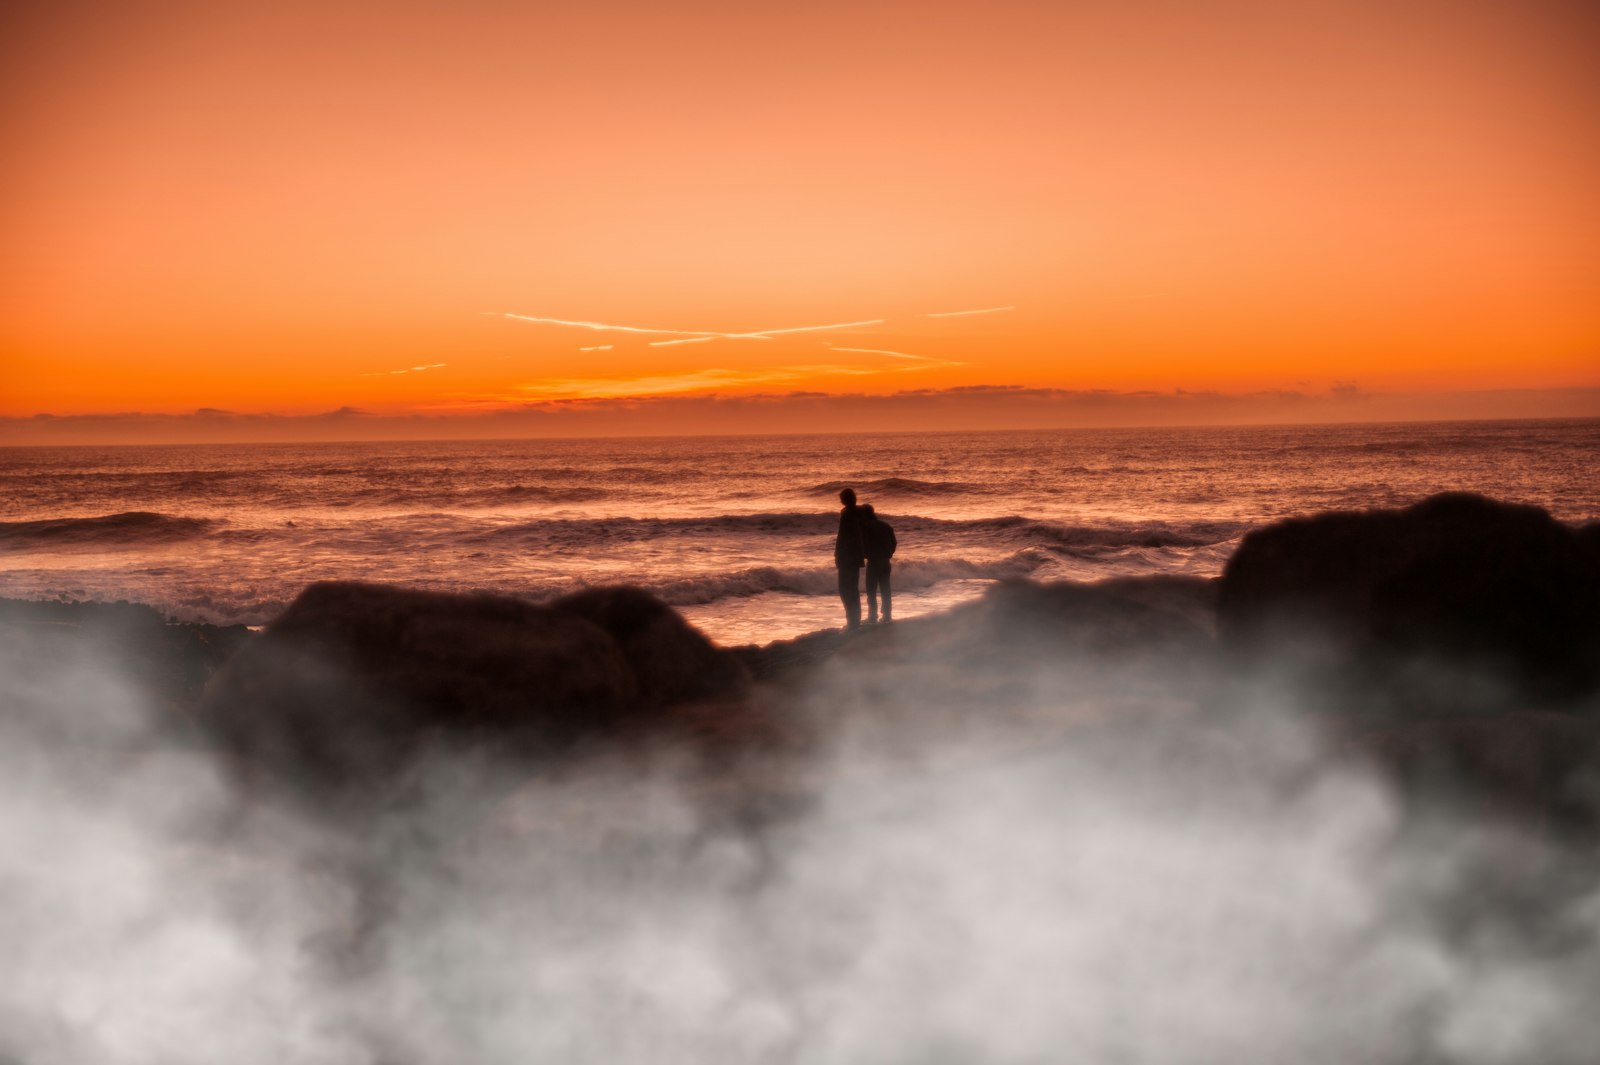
{"x":736,"y":532}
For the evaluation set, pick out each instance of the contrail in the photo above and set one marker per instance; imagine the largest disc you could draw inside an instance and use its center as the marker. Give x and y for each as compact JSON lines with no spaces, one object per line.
{"x":703,"y":337}
{"x":685,"y":336}
{"x":891,"y":354}
{"x":764,"y":334}
{"x":599,"y":347}
{"x":958,"y":314}
{"x":608,"y":327}
{"x":409,"y":369}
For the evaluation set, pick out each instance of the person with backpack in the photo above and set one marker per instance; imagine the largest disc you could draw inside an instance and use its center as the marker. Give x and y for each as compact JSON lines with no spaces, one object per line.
{"x":878,"y":544}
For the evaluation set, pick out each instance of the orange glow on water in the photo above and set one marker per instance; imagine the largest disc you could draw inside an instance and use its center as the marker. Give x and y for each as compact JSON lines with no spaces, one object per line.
{"x":299,"y":207}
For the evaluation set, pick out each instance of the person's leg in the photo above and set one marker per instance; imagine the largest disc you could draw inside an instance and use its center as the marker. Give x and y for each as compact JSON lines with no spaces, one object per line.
{"x":850,"y":594}
{"x":872,"y":592}
{"x":883,"y":586}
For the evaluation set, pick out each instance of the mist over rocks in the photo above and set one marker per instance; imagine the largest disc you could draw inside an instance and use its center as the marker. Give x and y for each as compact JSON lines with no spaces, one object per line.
{"x":1454,"y":645}
{"x":1157,"y":617}
{"x":1025,"y":664}
{"x":1021,"y":625}
{"x":1018,"y":629}
{"x":1538,"y":769}
{"x":354,"y":682}
{"x":1457,"y":603}
{"x":1059,"y":820}
{"x":169,"y":664}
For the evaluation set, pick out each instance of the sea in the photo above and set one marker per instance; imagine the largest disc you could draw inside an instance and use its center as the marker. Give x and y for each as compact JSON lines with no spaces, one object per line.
{"x":736,"y":532}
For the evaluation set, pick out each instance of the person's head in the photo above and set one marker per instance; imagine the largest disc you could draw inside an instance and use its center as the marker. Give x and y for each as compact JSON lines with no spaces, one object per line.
{"x":867,"y":511}
{"x":848,"y":497}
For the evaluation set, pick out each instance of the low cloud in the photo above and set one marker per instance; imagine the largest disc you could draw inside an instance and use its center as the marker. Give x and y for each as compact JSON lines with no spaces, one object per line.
{"x":680,"y":405}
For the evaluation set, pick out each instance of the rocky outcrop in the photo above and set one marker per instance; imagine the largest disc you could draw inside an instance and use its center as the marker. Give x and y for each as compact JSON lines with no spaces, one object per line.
{"x":355,"y":681}
{"x":670,"y":659}
{"x":1457,"y":602}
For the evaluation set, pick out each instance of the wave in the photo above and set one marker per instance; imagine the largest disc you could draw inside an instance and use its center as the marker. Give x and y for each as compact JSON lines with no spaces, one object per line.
{"x":779,"y":530}
{"x":1017,"y":532}
{"x":818,"y":580}
{"x":134,"y":527}
{"x":627,"y":474}
{"x":900,"y":486}
{"x":602,"y":530}
{"x":146,"y":481}
{"x":1142,"y":535}
{"x":471,"y":497}
{"x":1110,"y":535}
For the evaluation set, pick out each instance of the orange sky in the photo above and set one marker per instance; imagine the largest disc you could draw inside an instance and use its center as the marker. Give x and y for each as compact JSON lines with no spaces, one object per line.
{"x":276,"y":208}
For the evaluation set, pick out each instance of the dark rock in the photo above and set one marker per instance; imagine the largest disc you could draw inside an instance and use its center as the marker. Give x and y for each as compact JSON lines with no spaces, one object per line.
{"x":1194,"y":598}
{"x":782,"y":659}
{"x":1457,"y":601}
{"x":354,"y":681}
{"x":1024,"y":619}
{"x":672,"y":661}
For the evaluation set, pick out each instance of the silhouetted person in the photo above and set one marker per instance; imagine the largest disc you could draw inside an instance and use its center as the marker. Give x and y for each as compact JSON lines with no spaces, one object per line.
{"x":878,"y":544}
{"x":848,"y":555}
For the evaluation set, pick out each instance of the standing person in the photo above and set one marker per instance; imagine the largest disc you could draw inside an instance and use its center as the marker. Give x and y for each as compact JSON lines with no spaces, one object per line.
{"x":878,"y":544}
{"x":848,"y":555}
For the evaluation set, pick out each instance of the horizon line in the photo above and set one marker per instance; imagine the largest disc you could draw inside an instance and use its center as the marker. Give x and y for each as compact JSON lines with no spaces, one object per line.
{"x":655,"y":435}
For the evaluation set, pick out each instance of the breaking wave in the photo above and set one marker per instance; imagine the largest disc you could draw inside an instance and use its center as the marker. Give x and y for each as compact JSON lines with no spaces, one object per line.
{"x":134,"y":527}
{"x":505,"y":495}
{"x":1153,"y":534}
{"x":1025,"y":531}
{"x":900,"y":486}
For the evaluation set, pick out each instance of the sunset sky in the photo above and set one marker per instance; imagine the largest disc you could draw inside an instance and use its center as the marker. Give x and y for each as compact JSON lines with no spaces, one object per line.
{"x":333,"y":218}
